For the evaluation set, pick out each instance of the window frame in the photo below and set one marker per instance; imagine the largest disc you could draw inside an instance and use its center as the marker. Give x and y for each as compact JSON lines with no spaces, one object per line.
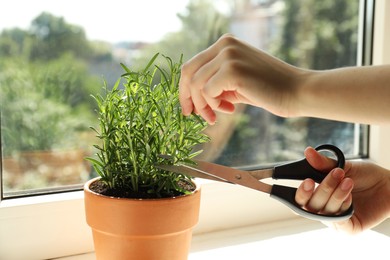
{"x":49,"y":226}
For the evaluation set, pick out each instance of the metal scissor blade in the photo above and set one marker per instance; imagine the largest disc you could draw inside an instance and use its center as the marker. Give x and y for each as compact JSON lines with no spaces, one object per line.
{"x":233,"y":175}
{"x":217,"y":172}
{"x":189,"y":170}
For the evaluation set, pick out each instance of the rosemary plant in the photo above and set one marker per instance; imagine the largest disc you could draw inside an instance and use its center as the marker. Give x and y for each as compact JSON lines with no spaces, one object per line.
{"x":139,"y":119}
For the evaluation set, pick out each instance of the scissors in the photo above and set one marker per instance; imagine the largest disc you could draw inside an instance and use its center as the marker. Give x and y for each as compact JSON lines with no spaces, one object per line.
{"x":298,"y":170}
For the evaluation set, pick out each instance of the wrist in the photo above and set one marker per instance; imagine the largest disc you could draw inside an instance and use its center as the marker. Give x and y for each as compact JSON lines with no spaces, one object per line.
{"x":301,"y":94}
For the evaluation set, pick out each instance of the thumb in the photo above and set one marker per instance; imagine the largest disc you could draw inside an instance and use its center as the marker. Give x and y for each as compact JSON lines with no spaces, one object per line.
{"x":319,"y":161}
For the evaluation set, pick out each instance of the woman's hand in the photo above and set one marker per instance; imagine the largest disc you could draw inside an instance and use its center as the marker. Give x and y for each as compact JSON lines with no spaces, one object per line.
{"x":230,"y":72}
{"x":365,"y":184}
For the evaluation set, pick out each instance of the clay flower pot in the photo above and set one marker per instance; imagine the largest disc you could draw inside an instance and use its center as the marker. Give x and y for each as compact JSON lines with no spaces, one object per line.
{"x":158,"y":229}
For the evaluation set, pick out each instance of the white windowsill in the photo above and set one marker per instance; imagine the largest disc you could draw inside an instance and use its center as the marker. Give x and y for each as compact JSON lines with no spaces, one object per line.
{"x":294,"y":239}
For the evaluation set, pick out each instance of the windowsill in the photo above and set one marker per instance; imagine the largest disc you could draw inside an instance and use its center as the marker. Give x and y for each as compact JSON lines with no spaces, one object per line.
{"x":294,"y":239}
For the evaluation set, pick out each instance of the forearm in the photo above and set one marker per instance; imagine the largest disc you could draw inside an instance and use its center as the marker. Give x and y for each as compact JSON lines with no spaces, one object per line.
{"x":354,"y":94}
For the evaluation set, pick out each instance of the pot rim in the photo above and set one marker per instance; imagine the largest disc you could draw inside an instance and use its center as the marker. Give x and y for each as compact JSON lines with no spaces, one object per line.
{"x":88,"y":183}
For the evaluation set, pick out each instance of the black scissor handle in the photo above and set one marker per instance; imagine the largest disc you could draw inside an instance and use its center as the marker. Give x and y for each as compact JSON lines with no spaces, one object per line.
{"x":301,"y":170}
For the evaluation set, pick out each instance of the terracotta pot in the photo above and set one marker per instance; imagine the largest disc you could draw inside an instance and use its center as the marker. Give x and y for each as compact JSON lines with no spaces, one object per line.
{"x":149,"y":229}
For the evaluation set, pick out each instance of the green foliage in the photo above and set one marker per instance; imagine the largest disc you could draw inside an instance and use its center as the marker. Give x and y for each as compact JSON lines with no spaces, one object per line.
{"x":12,"y":42}
{"x":52,"y":36}
{"x":140,"y":121}
{"x":65,"y":80}
{"x":45,"y":85}
{"x":42,"y":103}
{"x":319,"y":34}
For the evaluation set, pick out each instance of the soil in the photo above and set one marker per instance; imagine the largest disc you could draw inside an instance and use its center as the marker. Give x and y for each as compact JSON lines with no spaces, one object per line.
{"x":101,"y":188}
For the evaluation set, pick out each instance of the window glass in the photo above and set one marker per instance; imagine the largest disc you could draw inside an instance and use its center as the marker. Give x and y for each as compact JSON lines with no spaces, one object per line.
{"x":53,"y":56}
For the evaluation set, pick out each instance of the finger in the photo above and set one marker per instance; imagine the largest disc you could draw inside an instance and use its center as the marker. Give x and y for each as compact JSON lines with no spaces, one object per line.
{"x":185,"y":98}
{"x":346,"y":204}
{"x":225,"y":106}
{"x":197,"y":71}
{"x":304,"y":192}
{"x":220,"y":105}
{"x":217,"y":98}
{"x":187,"y":106}
{"x":198,"y":83}
{"x":198,"y":61}
{"x":319,"y":161}
{"x":193,"y":79}
{"x":204,"y":103}
{"x":325,"y":190}
{"x":339,"y":196}
{"x":188,"y":70}
{"x":202,"y":108}
{"x":224,"y":77}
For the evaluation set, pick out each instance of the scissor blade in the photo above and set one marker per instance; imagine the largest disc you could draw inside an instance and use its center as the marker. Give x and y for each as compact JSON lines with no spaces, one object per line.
{"x":233,"y":175}
{"x":189,"y":170}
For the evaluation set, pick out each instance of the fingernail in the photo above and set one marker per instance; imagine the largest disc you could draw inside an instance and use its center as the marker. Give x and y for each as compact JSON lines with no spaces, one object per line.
{"x":346,"y":185}
{"x":338,"y":173}
{"x":185,"y":112}
{"x":307,"y":186}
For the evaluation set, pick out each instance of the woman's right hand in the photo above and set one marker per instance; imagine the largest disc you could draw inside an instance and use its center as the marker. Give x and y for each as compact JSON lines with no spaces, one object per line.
{"x":364,"y":184}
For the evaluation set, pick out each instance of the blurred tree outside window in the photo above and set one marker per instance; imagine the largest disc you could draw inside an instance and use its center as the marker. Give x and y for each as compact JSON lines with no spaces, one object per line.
{"x":49,"y":69}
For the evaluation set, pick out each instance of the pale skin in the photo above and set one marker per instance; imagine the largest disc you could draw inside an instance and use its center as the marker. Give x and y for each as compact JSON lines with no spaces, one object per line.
{"x":231,"y":71}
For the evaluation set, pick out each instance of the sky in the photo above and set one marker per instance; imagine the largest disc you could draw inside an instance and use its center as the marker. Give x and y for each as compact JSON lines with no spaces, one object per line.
{"x":110,"y":20}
